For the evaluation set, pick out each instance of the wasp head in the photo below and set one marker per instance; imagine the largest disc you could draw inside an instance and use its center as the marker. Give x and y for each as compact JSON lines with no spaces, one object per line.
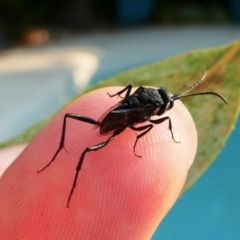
{"x":167,"y":101}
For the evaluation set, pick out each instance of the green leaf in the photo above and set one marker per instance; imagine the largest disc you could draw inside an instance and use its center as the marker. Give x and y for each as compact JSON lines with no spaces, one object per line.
{"x":214,"y":120}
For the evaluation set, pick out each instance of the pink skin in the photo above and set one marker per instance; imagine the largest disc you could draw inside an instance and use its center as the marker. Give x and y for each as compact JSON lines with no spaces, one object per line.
{"x":118,"y":195}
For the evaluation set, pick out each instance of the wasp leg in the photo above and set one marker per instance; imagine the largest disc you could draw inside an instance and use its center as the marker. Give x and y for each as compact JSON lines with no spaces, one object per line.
{"x":88,"y":149}
{"x":128,"y":88}
{"x":158,"y":121}
{"x":147,"y":128}
{"x":61,"y":145}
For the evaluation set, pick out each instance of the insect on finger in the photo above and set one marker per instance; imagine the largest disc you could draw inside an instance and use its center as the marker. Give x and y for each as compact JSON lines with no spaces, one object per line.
{"x":133,"y":109}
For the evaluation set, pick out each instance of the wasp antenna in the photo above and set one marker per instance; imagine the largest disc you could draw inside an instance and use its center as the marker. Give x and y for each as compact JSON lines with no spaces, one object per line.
{"x":179,"y":95}
{"x":194,"y":85}
{"x":204,"y":93}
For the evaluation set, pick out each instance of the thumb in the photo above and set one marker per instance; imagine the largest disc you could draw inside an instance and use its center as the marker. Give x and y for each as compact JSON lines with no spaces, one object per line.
{"x":117,"y":196}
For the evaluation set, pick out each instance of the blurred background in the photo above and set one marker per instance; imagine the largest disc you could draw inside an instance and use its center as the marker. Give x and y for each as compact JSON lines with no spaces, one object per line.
{"x":28,"y":22}
{"x":51,"y":50}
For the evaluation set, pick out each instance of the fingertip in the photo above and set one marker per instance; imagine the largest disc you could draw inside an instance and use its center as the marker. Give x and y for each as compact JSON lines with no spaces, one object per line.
{"x":116,"y":190}
{"x":158,"y":176}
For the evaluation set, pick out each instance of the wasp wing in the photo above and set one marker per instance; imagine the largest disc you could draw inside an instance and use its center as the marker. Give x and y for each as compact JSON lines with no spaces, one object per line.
{"x":106,"y":113}
{"x":121,"y":118}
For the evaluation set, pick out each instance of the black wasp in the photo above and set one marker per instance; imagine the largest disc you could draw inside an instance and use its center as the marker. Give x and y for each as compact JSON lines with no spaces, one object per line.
{"x":136,"y":108}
